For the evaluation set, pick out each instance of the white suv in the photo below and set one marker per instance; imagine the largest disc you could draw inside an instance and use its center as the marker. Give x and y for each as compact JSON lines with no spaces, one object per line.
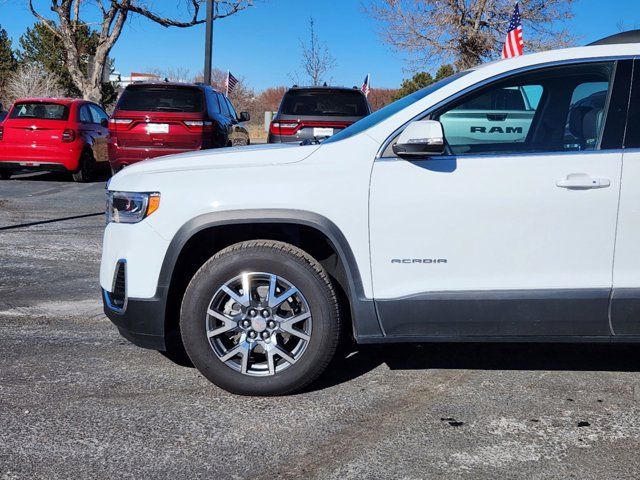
{"x":259,"y":259}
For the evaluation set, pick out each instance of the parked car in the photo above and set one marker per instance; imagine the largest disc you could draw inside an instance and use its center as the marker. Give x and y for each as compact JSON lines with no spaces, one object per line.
{"x":315,"y":113}
{"x":161,"y":118}
{"x":398,"y":228}
{"x":3,"y":113}
{"x":60,"y":134}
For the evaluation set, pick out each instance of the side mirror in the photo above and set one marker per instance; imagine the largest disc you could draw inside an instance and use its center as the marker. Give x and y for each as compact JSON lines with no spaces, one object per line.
{"x":104,"y":123}
{"x":420,"y":140}
{"x":244,"y":117}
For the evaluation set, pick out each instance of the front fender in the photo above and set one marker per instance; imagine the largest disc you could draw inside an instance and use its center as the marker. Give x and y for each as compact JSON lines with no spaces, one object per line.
{"x":363,"y":313}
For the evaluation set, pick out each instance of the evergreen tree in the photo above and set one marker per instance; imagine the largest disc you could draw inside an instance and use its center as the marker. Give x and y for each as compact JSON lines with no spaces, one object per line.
{"x":8,"y":62}
{"x":444,"y":71}
{"x":413,"y":84}
{"x":423,"y":79}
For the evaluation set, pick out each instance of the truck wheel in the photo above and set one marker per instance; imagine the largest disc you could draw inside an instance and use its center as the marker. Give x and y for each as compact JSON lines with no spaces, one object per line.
{"x":85,"y":169}
{"x":5,"y":174}
{"x":260,"y":318}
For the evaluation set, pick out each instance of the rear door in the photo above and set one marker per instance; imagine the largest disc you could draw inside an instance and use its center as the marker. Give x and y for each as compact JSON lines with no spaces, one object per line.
{"x":160,"y":117}
{"x":625,"y":303}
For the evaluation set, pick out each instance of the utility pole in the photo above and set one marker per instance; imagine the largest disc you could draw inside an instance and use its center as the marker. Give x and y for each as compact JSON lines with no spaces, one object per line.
{"x":208,"y":42}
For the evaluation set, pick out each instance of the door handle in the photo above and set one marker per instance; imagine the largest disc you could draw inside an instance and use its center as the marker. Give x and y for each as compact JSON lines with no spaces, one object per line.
{"x":582,"y":181}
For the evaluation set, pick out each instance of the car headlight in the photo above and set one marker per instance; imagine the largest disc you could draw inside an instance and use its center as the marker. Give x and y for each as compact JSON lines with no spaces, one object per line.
{"x":131,"y":207}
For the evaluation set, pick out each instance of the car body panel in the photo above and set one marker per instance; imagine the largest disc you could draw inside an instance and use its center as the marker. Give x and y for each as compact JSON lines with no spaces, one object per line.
{"x":513,"y":228}
{"x":37,"y":143}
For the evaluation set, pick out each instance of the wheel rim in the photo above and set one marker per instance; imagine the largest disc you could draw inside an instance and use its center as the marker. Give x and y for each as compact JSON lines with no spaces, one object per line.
{"x":258,"y":324}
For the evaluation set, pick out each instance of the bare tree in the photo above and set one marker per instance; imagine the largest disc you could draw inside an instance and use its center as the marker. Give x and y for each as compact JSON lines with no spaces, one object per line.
{"x":31,"y":80}
{"x":173,"y":74}
{"x":467,"y":32}
{"x":112,"y":14}
{"x":317,"y":61}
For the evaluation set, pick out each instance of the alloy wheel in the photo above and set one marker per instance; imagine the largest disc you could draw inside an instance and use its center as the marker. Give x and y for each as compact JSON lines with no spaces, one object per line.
{"x":258,"y":324}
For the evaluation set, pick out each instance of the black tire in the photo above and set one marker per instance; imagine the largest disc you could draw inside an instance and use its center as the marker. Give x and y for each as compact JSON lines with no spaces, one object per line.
{"x":283,"y":260}
{"x":5,"y":174}
{"x":86,"y":169}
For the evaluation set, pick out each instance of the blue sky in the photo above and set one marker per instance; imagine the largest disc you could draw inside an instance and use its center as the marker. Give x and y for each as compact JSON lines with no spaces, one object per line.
{"x":262,"y":43}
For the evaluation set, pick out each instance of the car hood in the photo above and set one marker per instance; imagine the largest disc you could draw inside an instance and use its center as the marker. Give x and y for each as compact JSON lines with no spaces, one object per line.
{"x":232,"y":157}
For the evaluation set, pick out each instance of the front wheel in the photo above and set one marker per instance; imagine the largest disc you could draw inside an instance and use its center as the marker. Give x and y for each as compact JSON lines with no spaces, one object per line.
{"x":260,"y":318}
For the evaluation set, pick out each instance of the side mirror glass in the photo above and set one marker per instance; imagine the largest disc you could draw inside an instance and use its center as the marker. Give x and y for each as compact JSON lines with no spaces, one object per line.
{"x":244,"y":116}
{"x":104,"y":123}
{"x":420,"y":140}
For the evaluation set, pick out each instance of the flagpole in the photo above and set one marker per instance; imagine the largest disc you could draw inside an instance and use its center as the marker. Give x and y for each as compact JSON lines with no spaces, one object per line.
{"x":228,"y":74}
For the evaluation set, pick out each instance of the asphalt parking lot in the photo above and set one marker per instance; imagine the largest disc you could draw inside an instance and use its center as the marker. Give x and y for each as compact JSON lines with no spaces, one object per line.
{"x":78,"y":401}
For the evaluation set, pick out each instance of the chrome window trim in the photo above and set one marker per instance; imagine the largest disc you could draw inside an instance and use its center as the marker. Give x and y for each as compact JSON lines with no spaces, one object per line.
{"x":493,"y":79}
{"x":512,"y":155}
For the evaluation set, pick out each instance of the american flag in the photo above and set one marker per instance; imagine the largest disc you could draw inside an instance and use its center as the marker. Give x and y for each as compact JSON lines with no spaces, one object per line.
{"x":514,"y":45}
{"x":230,"y":83}
{"x":366,"y":86}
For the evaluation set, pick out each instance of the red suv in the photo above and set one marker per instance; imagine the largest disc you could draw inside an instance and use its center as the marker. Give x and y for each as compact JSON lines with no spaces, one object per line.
{"x":162,"y":118}
{"x":53,"y":134}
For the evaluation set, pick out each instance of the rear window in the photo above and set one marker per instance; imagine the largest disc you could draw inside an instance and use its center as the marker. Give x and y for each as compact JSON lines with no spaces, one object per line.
{"x":44,"y":111}
{"x":332,"y":103}
{"x":161,"y":99}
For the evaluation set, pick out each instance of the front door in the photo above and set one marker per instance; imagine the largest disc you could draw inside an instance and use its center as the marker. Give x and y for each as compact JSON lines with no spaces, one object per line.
{"x":512,"y":232}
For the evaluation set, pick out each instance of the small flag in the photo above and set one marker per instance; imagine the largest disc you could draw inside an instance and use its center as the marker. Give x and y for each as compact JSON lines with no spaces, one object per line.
{"x":366,"y":86}
{"x":514,"y":45}
{"x":230,"y":83}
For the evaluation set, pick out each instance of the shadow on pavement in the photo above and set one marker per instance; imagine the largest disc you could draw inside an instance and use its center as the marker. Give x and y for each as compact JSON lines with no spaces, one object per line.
{"x":480,"y":356}
{"x":356,"y":360}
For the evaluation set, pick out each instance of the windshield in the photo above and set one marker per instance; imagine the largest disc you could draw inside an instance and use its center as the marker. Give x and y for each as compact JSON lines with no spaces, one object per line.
{"x":324,"y":102}
{"x":40,"y":110}
{"x":391,"y":109}
{"x":151,"y":98}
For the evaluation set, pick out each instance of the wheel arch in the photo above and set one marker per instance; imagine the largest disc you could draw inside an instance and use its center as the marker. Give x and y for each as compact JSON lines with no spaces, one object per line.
{"x":203,"y":236}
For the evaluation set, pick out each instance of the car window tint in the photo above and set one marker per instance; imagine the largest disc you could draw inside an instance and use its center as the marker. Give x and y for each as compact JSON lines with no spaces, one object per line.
{"x":97,"y":114}
{"x":632,"y":136}
{"x":232,"y":110}
{"x":161,"y":99}
{"x":223,"y":105}
{"x":40,"y":110}
{"x":554,"y":109}
{"x":84,"y":114}
{"x":213,"y":104}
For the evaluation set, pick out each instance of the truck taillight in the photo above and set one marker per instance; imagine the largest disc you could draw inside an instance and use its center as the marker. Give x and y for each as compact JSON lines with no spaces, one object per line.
{"x":284,"y":128}
{"x":1,"y":132}
{"x":69,"y":135}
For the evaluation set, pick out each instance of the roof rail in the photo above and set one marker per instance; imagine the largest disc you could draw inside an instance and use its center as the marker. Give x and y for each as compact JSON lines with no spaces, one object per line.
{"x":631,"y":36}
